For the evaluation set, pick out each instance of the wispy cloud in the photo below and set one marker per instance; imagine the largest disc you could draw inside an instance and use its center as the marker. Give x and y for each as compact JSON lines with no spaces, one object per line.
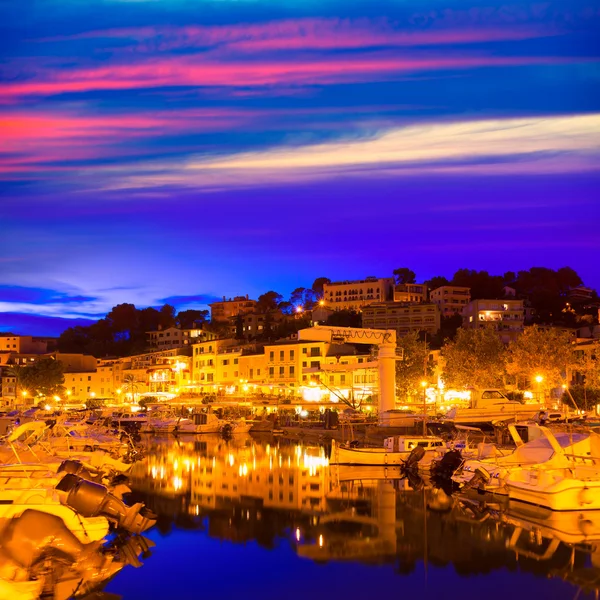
{"x":29,"y":295}
{"x":533,"y":145}
{"x":310,"y":34}
{"x":187,"y":300}
{"x":206,"y":72}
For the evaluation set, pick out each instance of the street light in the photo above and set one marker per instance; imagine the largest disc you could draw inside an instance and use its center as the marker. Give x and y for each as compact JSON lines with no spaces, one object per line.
{"x":539,"y":380}
{"x":424,"y":386}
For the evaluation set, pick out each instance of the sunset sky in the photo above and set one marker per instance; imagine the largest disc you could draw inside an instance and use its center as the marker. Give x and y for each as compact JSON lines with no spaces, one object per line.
{"x":182,"y":150}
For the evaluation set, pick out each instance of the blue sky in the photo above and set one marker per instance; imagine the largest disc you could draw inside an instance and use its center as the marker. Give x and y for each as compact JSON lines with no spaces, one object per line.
{"x":194,"y":149}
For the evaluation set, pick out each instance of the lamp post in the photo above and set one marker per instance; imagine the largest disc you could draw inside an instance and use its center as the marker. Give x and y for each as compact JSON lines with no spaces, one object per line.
{"x":424,"y":386}
{"x":539,"y":380}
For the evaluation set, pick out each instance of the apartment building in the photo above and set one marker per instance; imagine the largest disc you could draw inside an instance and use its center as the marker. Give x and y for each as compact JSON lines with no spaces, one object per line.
{"x":22,"y":344}
{"x":451,"y":299}
{"x":505,"y":316}
{"x":354,"y":295}
{"x":175,"y":337}
{"x":410,"y":292}
{"x":253,"y":324}
{"x":223,"y":311}
{"x":206,"y":368}
{"x":404,"y":318}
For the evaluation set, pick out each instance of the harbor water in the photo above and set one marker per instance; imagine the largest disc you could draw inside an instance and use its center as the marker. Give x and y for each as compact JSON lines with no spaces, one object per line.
{"x":269,"y":519}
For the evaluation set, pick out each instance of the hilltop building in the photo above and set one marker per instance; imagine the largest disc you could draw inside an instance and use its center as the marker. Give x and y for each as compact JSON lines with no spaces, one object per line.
{"x":403,"y":317}
{"x":354,"y":295}
{"x":451,"y":299}
{"x":410,"y":292}
{"x":222,"y":312}
{"x":505,"y":316}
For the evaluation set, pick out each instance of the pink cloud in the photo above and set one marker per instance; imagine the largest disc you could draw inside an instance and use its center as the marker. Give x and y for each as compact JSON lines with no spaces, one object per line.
{"x":31,"y":140}
{"x":198,"y":72}
{"x":449,"y":27}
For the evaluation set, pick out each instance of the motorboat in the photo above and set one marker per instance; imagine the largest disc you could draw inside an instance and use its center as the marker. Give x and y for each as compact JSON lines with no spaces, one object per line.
{"x":201,"y":422}
{"x":240,"y":426}
{"x":490,"y":471}
{"x":129,"y":419}
{"x":569,"y":482}
{"x":84,"y":438}
{"x":395,"y":451}
{"x":492,"y":406}
{"x":41,"y":556}
{"x":161,"y":421}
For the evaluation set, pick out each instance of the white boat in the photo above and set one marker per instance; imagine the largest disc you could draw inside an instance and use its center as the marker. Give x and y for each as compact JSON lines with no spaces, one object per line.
{"x":235,"y":427}
{"x":84,"y":438}
{"x":490,"y":406}
{"x":395,"y":451}
{"x":545,"y":450}
{"x":129,"y":418}
{"x":201,"y":423}
{"x":163,"y":422}
{"x":85,"y":529}
{"x":560,"y":485}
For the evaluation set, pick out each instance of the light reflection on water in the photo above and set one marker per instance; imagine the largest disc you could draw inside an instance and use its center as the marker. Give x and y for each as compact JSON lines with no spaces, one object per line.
{"x":273,"y":495}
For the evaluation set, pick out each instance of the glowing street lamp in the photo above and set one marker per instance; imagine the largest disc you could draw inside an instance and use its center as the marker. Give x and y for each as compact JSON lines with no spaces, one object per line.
{"x":424,"y":386}
{"x":539,"y":379}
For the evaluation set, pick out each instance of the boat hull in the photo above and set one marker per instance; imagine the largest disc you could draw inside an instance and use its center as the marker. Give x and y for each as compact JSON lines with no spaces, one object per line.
{"x":563,"y":495}
{"x":372,"y":457}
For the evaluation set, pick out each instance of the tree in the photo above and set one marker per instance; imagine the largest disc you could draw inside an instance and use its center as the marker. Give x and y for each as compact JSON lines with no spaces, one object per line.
{"x":413,"y":367}
{"x":130,"y":385}
{"x":436,"y":282}
{"x":167,"y":316}
{"x":317,"y":286}
{"x":123,"y":318}
{"x":588,"y":365}
{"x":541,"y":352}
{"x":189,"y":319}
{"x":476,"y":358}
{"x":297,"y":297}
{"x":449,"y":326}
{"x":45,"y":377}
{"x":404,"y":275}
{"x":239,"y":327}
{"x":482,"y":284}
{"x":19,"y":372}
{"x":74,"y":340}
{"x":268,"y":301}
{"x":301,"y":297}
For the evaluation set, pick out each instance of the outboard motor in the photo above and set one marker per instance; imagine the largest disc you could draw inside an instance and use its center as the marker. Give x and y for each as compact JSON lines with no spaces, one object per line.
{"x":76,"y":468}
{"x":479,"y":480}
{"x":448,"y":464}
{"x":91,"y":499}
{"x":414,"y":457}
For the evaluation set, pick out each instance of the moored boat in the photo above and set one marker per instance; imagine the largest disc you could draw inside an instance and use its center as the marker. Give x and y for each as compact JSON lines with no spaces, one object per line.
{"x":395,"y":451}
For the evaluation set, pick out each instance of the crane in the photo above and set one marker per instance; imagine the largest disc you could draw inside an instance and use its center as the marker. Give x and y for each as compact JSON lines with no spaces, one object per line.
{"x":384,"y":339}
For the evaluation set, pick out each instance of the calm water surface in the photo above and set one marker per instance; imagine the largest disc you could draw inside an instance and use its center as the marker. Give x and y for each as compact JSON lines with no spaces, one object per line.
{"x":267,"y":519}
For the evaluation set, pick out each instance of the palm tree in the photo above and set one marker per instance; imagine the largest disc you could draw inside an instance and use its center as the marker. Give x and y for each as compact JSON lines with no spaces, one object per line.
{"x":19,"y":372}
{"x":130,"y":384}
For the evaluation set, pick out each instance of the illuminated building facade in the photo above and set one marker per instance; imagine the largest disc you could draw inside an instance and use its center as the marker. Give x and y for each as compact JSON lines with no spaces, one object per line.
{"x":221,"y":312}
{"x":505,"y":316}
{"x":410,"y":292}
{"x":404,"y":318}
{"x":451,"y":299}
{"x":354,"y":295}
